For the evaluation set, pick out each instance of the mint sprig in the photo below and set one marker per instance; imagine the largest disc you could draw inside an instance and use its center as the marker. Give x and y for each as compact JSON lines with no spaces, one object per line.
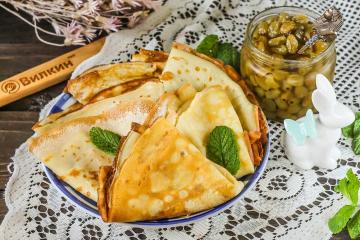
{"x":209,"y":45}
{"x":347,"y":131}
{"x":227,"y":53}
{"x":223,"y":149}
{"x":353,"y":226}
{"x":349,"y":187}
{"x":105,"y":140}
{"x":338,"y":222}
{"x":353,"y":131}
{"x":356,"y":128}
{"x":355,"y":145}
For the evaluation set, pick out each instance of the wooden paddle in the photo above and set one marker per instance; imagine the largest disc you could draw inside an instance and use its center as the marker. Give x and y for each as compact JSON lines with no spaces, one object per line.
{"x":46,"y":74}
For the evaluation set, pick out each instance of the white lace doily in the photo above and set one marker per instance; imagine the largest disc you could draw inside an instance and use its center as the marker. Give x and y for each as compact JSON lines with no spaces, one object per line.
{"x":287,"y":202}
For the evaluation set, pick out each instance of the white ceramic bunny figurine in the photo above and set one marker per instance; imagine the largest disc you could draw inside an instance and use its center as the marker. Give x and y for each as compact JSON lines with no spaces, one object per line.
{"x":319,"y":148}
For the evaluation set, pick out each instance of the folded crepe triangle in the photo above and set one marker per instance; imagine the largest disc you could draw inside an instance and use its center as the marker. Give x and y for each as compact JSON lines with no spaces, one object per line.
{"x":210,"y":108}
{"x":164,"y":176}
{"x":185,"y":65}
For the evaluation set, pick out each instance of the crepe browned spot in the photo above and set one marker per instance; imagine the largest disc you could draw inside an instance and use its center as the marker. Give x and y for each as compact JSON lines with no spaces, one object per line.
{"x":151,"y":56}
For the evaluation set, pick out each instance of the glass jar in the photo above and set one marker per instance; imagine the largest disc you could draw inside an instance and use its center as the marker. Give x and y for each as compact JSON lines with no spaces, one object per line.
{"x":283,"y":87}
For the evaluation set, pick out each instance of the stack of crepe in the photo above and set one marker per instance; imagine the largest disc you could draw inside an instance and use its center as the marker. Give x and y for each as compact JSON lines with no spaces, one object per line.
{"x":164,"y":106}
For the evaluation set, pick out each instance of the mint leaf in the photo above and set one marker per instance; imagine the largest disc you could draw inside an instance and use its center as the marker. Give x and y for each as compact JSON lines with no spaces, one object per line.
{"x":348,"y":131}
{"x":356,"y":128}
{"x":353,"y":186}
{"x":357,"y":115}
{"x":356,"y":145}
{"x":338,"y":222}
{"x":353,"y":129}
{"x":209,"y":45}
{"x":105,"y":140}
{"x":353,"y":226}
{"x":229,"y":55}
{"x":341,"y":187}
{"x":349,"y":187}
{"x":223,"y":149}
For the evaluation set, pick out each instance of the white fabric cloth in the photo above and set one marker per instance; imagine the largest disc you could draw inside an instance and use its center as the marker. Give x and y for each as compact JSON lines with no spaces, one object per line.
{"x":286,"y":203}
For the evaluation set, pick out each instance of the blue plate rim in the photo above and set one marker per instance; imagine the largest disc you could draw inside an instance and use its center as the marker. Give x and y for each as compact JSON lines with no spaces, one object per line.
{"x":62,"y":186}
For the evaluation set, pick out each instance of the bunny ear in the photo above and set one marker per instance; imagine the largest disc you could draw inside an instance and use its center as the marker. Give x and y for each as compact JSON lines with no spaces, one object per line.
{"x":318,"y":101}
{"x":324,"y":86}
{"x":323,"y":97}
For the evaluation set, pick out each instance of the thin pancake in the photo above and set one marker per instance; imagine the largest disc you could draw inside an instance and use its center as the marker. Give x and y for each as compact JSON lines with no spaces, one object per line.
{"x":165,"y":176}
{"x":68,"y":152}
{"x":210,"y":108}
{"x":150,"y":90}
{"x":185,"y":65}
{"x":86,"y":86}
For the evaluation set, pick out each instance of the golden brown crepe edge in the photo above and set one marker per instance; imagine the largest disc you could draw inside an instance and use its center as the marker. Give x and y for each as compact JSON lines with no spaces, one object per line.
{"x":105,"y":178}
{"x":105,"y":175}
{"x":145,"y":55}
{"x":54,"y":116}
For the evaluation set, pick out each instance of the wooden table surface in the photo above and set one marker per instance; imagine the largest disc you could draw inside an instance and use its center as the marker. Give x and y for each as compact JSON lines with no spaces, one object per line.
{"x":20,"y":50}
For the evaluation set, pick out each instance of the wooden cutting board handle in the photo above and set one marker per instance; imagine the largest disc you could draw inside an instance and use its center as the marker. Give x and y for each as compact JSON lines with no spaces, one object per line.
{"x":46,"y":74}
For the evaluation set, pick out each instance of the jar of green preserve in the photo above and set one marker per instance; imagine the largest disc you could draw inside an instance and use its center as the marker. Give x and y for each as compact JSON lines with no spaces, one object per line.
{"x":281,"y":78}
